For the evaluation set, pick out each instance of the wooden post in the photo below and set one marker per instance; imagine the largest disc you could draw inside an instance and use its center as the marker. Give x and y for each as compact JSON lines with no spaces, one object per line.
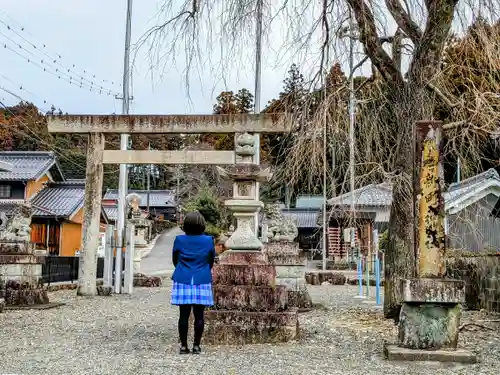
{"x":108,"y":256}
{"x":128,"y":278}
{"x":430,"y":237}
{"x":87,"y":270}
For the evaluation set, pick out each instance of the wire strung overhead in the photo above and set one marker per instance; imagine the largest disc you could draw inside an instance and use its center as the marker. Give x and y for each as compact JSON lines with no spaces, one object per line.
{"x":48,"y":106}
{"x":52,"y":63}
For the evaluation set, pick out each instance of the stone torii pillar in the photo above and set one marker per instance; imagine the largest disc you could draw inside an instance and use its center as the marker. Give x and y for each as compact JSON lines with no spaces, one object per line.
{"x":430,"y":314}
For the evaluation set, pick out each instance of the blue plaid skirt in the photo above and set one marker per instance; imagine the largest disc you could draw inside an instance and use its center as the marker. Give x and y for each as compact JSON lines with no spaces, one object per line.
{"x":189,"y":294}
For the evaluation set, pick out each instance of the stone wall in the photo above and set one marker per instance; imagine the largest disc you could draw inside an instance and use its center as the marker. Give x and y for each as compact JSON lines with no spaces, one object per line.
{"x":481,"y":274}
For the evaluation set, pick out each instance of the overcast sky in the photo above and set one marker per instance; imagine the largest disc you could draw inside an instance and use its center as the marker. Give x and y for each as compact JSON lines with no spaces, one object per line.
{"x":90,"y":35}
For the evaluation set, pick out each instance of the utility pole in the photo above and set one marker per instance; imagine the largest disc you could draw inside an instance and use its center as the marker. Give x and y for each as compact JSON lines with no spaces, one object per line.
{"x":148,"y":182}
{"x":334,"y":182}
{"x":257,"y":90}
{"x":352,"y":119}
{"x":325,"y":148}
{"x":124,"y":139}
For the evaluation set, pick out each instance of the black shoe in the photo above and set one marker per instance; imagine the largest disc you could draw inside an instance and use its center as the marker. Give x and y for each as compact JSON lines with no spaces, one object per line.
{"x":196,"y":349}
{"x":184,"y":350}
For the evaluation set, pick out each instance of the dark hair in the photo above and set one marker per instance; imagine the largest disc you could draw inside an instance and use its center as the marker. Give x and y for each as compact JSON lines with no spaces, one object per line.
{"x":194,"y":223}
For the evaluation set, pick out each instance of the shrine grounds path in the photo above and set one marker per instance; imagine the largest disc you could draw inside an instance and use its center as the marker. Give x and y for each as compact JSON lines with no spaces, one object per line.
{"x":137,"y":335}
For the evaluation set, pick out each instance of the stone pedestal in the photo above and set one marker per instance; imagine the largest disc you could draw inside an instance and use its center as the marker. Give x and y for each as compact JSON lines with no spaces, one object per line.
{"x":21,"y":275}
{"x":290,"y":271}
{"x":429,"y":321}
{"x":249,"y":307}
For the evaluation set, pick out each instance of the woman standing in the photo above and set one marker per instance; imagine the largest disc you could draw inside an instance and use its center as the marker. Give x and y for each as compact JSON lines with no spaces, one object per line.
{"x":193,"y":257}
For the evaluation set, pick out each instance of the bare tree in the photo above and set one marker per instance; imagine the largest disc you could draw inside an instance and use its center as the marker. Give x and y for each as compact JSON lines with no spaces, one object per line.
{"x":406,"y":85}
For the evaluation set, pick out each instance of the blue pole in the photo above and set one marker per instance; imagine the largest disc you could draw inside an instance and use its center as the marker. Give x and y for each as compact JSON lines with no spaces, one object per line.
{"x":377,"y":280}
{"x":360,"y":276}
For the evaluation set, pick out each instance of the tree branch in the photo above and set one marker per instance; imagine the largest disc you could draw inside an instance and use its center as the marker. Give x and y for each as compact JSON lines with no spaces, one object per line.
{"x":428,"y":51}
{"x":404,"y":21}
{"x":372,"y":43}
{"x":397,"y":45}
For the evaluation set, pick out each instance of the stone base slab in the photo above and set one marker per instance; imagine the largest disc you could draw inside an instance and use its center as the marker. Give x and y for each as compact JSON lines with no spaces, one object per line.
{"x":6,"y":259}
{"x":50,"y":305}
{"x":319,"y":277}
{"x":297,"y":271}
{"x":281,"y":247}
{"x":242,"y":327}
{"x":433,"y":290}
{"x":244,"y":274}
{"x":250,"y":297}
{"x":284,"y":259}
{"x":396,"y":353}
{"x":292,"y":283}
{"x":24,"y":297}
{"x":15,"y":247}
{"x":429,"y":326}
{"x":144,"y":281}
{"x":299,"y":299}
{"x":242,"y":257}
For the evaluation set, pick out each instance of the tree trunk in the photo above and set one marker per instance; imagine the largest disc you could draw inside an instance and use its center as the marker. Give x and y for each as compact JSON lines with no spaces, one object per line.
{"x":411,"y":103}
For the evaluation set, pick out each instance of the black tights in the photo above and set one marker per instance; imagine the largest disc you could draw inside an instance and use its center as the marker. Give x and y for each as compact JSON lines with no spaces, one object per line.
{"x":199,"y":323}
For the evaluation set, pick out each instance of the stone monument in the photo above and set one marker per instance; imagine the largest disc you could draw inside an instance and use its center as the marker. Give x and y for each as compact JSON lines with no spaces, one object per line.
{"x":21,"y":282}
{"x":249,"y":306}
{"x":431,"y":303}
{"x":284,"y":254}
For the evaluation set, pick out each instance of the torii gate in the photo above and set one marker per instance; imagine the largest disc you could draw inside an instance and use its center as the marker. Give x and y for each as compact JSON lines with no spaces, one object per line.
{"x":97,"y":126}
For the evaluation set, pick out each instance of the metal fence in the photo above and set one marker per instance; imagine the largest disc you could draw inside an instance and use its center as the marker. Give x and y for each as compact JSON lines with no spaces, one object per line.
{"x":63,"y":269}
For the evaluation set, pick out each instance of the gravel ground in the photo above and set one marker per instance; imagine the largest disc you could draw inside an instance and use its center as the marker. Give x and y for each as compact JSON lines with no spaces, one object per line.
{"x":137,"y":335}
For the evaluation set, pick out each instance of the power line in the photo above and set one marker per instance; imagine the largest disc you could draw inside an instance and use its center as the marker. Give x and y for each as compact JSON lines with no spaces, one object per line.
{"x":57,"y":60}
{"x":48,"y":68}
{"x":23,"y":88}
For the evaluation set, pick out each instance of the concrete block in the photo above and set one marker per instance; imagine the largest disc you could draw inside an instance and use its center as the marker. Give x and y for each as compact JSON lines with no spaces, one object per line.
{"x":433,"y":290}
{"x":429,"y":326}
{"x":396,"y":353}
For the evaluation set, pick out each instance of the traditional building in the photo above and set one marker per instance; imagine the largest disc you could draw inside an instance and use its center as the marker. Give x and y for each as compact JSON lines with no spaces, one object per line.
{"x":34,"y":177}
{"x":472,"y":209}
{"x":162,"y":204}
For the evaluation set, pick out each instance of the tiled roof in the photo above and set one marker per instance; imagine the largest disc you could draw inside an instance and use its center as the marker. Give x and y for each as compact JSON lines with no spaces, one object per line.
{"x":381,"y":195}
{"x":26,"y":165}
{"x":458,"y":190}
{"x":374,"y":195}
{"x":157,"y":198}
{"x":111,"y":212}
{"x":303,"y":218}
{"x":58,"y":200}
{"x":5,"y":167}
